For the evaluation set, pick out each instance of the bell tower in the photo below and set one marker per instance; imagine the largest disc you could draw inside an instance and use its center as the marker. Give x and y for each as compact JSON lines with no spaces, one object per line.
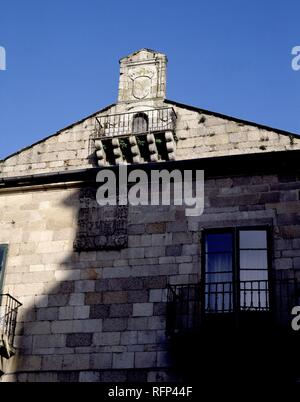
{"x":142,"y":76}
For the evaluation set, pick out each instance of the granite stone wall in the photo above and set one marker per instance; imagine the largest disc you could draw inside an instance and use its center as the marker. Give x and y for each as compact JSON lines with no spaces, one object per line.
{"x":101,"y":315}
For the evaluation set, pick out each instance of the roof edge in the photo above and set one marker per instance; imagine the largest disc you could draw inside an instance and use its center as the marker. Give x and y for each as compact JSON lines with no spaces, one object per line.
{"x":215,"y":166}
{"x":236,"y":119}
{"x":57,"y":133}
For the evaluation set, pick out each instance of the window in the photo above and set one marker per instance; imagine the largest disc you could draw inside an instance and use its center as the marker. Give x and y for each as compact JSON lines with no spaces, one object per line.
{"x":3,"y":252}
{"x":236,"y":270}
{"x":140,"y":123}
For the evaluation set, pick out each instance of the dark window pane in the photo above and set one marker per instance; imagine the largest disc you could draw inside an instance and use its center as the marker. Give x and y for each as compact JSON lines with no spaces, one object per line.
{"x":255,"y":275}
{"x":219,"y":262}
{"x":218,"y":242}
{"x":253,"y":239}
{"x":219,"y":277}
{"x":254,"y":295}
{"x":218,"y":298}
{"x":255,"y":259}
{"x":1,"y":257}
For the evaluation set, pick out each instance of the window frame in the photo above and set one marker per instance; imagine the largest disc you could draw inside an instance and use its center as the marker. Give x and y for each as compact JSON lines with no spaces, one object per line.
{"x":139,"y":115}
{"x":2,"y":272}
{"x":236,"y":292}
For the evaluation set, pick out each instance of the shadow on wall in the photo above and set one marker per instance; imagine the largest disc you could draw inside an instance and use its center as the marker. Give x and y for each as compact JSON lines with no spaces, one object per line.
{"x":100,"y":315}
{"x":100,"y":312}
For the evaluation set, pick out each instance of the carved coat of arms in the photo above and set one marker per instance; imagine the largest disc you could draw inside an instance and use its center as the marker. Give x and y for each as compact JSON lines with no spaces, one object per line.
{"x":100,"y":227}
{"x":142,"y":81}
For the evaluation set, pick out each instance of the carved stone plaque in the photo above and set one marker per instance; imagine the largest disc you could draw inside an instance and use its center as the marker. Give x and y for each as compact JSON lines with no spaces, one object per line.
{"x":141,"y":87}
{"x":100,"y":227}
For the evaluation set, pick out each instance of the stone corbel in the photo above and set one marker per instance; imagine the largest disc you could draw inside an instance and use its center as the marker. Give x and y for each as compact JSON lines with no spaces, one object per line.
{"x":152,"y":148}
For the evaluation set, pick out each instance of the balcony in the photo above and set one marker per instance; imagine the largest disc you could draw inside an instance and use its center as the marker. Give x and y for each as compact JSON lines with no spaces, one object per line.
{"x":135,"y":137}
{"x":218,"y":338}
{"x":261,"y":303}
{"x":125,"y":124}
{"x":8,"y":318}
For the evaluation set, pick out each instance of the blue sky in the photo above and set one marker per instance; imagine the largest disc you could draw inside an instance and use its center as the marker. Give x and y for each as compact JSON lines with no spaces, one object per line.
{"x":232,"y":57}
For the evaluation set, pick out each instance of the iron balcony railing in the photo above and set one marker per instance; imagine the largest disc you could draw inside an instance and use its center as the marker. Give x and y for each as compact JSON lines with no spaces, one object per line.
{"x":142,"y":122}
{"x":8,"y":318}
{"x":190,"y":305}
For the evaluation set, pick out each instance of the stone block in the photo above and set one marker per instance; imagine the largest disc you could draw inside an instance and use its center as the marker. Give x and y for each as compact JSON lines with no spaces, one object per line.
{"x":29,"y":363}
{"x":137,"y":323}
{"x":120,"y":310}
{"x":50,"y":363}
{"x":155,"y":282}
{"x":145,"y":359}
{"x":107,"y":338}
{"x":84,"y":286}
{"x":135,"y":376}
{"x":123,"y":360}
{"x":165,"y":239}
{"x":76,"y":362}
{"x":284,"y":263}
{"x":36,"y":328}
{"x":71,"y":376}
{"x":142,"y":309}
{"x":136,"y":229}
{"x":155,"y":251}
{"x":66,"y":287}
{"x":101,"y":361}
{"x":99,"y":311}
{"x":188,"y":268}
{"x":114,"y":324}
{"x":159,"y":308}
{"x":58,"y":300}
{"x":114,"y":297}
{"x":47,"y":314}
{"x":62,"y":327}
{"x":66,"y":313}
{"x":79,"y":339}
{"x":296,"y":263}
{"x":77,"y":299}
{"x":93,"y":298}
{"x":114,"y":376}
{"x":270,"y":197}
{"x":49,"y":341}
{"x":155,"y":295}
{"x":177,"y":226}
{"x":182,"y":238}
{"x":41,"y":301}
{"x":129,"y":338}
{"x":155,"y":228}
{"x":81,"y":312}
{"x":174,"y":250}
{"x":89,"y":376}
{"x":145,"y":337}
{"x":157,"y":322}
{"x":134,"y":252}
{"x":67,"y":275}
{"x":190,"y":249}
{"x":87,"y":325}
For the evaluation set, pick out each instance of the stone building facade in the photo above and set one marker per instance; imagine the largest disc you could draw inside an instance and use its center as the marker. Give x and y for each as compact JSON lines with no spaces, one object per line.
{"x":96,"y":283}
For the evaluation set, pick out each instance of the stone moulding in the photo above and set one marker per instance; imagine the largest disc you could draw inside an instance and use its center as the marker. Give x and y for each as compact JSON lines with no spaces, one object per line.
{"x":100,"y":227}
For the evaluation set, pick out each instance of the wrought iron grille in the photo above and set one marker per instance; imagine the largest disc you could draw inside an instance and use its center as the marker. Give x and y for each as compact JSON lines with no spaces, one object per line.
{"x":142,"y":122}
{"x":8,"y":318}
{"x":188,"y":305}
